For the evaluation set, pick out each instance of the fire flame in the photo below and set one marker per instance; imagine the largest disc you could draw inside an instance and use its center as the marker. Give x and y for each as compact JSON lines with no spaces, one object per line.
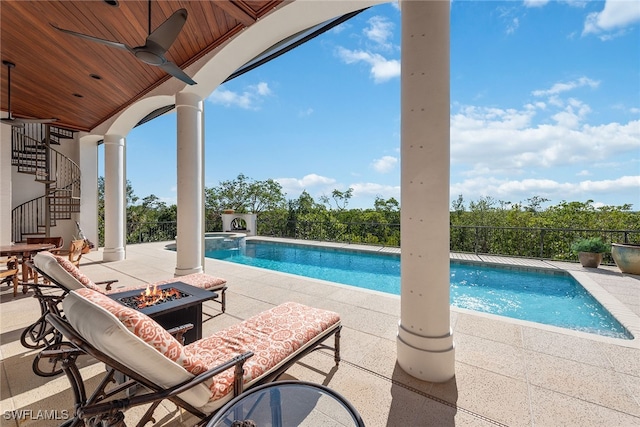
{"x":152,"y":296}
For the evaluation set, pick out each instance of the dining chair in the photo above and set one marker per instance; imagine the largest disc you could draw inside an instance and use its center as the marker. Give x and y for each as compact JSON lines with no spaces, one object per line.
{"x":75,"y":251}
{"x":10,"y":272}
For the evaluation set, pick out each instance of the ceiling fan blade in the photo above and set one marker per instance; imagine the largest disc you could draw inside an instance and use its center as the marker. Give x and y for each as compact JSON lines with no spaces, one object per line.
{"x":94,"y":39}
{"x":176,"y":72}
{"x":168,"y":31}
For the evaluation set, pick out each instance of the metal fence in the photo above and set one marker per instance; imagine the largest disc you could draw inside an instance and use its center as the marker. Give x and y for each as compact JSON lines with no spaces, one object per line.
{"x":144,"y":232}
{"x":540,"y":243}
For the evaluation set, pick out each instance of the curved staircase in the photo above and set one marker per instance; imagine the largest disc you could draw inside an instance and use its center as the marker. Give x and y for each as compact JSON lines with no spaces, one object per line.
{"x":32,"y":153}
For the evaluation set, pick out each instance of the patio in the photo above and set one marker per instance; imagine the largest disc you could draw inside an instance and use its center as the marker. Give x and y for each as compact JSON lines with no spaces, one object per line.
{"x":508,"y":372}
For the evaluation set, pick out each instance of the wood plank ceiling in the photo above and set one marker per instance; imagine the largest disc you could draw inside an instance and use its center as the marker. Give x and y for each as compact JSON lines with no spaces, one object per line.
{"x":82,"y":83}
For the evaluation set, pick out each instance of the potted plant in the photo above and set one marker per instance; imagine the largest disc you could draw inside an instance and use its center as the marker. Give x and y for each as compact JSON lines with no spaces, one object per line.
{"x":627,"y":257}
{"x":590,"y":251}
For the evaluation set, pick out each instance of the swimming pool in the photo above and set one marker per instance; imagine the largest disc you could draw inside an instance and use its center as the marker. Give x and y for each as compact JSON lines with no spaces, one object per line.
{"x":551,"y":299}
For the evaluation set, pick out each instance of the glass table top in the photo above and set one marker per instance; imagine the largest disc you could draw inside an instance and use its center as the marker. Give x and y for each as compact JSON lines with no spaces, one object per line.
{"x":287,"y":403}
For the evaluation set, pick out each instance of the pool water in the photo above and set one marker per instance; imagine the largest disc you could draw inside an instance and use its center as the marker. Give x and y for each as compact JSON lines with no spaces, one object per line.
{"x":557,"y":300}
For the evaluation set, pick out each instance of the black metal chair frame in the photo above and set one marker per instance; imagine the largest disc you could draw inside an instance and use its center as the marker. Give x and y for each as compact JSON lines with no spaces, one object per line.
{"x":100,"y":409}
{"x":41,"y":333}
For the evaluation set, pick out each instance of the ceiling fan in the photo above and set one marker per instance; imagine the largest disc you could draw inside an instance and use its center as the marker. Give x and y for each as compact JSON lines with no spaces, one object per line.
{"x":17,"y":121}
{"x":155,"y":46}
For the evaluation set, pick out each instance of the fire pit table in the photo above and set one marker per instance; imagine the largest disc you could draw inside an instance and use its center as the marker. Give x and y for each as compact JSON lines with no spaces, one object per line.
{"x":178,"y":305}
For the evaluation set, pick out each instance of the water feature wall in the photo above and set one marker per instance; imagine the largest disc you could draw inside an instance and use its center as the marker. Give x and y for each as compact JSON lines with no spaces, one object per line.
{"x":224,"y":241}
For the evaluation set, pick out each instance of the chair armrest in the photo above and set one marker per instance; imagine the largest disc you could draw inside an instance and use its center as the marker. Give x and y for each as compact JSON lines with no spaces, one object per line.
{"x":107,"y":282}
{"x":12,"y":262}
{"x":179,"y":331}
{"x":237,"y":361}
{"x":121,"y":404}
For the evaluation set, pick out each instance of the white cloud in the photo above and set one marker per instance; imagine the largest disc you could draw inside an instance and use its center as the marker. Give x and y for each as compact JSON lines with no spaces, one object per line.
{"x":382,"y":69}
{"x":535,"y":3}
{"x":541,"y":3}
{"x":369,"y":189}
{"x":577,"y":3}
{"x":511,"y":141}
{"x":512,"y":191}
{"x":572,"y":115}
{"x":261,"y":89}
{"x":513,"y":26}
{"x":318,"y":185}
{"x":305,"y":113}
{"x":340,"y":28}
{"x":384,"y":164}
{"x":311,"y":182}
{"x":379,"y":31}
{"x":583,"y":173}
{"x":616,"y":15}
{"x":249,"y":99}
{"x":558,"y":88}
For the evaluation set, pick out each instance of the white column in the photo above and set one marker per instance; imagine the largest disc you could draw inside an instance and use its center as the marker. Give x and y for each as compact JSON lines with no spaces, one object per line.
{"x":190,"y":159}
{"x":88,"y":157}
{"x":6,"y":184}
{"x":425,"y":340}
{"x":114,"y":198}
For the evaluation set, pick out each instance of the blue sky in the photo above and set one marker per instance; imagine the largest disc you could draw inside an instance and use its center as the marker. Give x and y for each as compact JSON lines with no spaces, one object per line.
{"x":545,"y":101}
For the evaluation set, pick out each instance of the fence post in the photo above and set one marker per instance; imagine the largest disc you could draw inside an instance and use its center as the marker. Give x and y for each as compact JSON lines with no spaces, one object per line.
{"x":475,"y":243}
{"x":542,"y":233}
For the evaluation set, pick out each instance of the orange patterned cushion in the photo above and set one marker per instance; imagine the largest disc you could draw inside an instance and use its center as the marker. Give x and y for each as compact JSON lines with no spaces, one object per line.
{"x":272,"y":336}
{"x":149,"y":331}
{"x":76,"y":273}
{"x":199,"y":280}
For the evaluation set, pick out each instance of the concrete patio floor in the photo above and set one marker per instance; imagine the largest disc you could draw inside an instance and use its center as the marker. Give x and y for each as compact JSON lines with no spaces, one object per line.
{"x":508,"y":372}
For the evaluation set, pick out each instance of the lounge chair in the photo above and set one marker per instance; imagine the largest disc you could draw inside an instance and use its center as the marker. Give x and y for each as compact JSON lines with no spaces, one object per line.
{"x":10,"y":273}
{"x":199,"y":377}
{"x":63,"y":278}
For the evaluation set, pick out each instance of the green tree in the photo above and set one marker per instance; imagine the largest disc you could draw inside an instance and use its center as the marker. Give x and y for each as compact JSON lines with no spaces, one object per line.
{"x":131,"y":198}
{"x":244,"y":194}
{"x":341,"y":198}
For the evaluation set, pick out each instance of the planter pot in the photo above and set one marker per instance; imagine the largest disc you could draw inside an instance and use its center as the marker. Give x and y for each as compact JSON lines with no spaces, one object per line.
{"x":590,"y":259}
{"x":627,"y":257}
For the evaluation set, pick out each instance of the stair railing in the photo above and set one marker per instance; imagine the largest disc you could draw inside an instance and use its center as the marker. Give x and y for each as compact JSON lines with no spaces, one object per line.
{"x":60,"y":174}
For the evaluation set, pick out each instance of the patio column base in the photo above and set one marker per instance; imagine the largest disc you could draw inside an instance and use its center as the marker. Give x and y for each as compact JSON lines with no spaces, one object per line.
{"x":115,"y":254}
{"x":185,"y":271}
{"x":426,"y":358}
